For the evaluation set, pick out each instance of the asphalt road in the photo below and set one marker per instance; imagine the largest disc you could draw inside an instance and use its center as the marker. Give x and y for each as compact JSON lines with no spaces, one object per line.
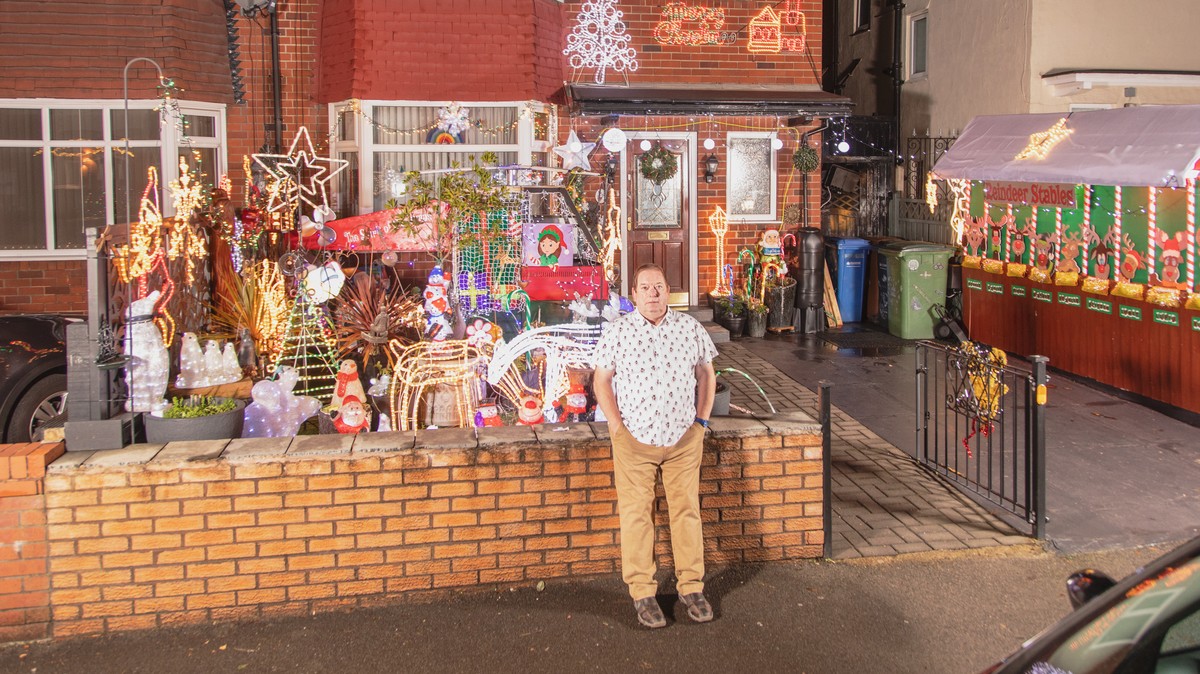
{"x":935,"y":612}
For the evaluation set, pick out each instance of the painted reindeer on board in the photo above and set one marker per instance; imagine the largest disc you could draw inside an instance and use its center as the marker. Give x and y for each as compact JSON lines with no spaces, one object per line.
{"x":1102,"y":251}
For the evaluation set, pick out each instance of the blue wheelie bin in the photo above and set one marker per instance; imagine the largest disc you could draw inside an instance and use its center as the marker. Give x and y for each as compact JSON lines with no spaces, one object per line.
{"x":847,"y":259}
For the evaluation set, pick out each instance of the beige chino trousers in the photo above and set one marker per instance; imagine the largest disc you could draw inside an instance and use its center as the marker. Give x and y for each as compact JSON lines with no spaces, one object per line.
{"x":635,"y":466}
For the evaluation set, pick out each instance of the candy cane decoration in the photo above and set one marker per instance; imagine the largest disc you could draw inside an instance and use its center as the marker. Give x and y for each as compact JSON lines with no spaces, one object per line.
{"x":1190,"y":228}
{"x":750,"y":275}
{"x":1087,"y":226}
{"x":729,"y":277}
{"x":1152,"y":231}
{"x":1118,"y":218}
{"x":1058,"y":231}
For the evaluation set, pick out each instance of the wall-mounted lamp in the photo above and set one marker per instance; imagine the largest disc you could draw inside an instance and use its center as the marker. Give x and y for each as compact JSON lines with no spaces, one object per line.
{"x":710,"y":168}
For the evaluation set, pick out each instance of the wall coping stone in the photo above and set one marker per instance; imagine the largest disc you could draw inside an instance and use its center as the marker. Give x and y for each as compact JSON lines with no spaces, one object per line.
{"x":495,"y":439}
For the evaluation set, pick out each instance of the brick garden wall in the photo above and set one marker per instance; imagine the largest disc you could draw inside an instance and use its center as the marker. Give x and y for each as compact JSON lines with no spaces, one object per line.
{"x":46,"y":287}
{"x":151,"y":536}
{"x":24,"y":576}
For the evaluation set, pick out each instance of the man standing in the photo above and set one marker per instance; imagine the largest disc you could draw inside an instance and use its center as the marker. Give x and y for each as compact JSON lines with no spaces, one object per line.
{"x":655,"y":382}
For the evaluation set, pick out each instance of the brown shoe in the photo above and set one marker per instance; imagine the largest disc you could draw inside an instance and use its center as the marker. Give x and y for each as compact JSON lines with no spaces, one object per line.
{"x":649,"y":613}
{"x":698,"y":608}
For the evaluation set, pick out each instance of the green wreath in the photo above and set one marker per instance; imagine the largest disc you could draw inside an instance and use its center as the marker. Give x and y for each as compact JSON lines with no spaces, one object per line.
{"x":806,"y":159}
{"x":658,"y":165}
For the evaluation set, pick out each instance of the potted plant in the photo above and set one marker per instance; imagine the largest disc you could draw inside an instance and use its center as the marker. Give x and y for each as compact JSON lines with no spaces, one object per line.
{"x":781,"y":302}
{"x":196,"y":418}
{"x":756,"y":318}
{"x":721,"y":308}
{"x":735,"y":318}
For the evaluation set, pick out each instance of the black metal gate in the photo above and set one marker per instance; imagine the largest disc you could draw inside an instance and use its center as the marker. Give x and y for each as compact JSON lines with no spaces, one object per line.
{"x":981,"y":425}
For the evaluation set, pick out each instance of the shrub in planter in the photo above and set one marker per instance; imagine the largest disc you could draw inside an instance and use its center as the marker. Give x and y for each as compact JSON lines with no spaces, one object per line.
{"x":756,"y":318}
{"x":196,"y":418}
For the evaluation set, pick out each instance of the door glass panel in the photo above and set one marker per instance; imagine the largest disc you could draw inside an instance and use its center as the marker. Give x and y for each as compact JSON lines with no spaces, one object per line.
{"x":22,"y":207}
{"x":659,"y":206}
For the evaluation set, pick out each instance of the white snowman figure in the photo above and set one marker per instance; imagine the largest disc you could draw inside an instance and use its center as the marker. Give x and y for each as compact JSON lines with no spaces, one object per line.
{"x":230,"y":367}
{"x":147,"y":370}
{"x":212,"y":364}
{"x":191,"y":361}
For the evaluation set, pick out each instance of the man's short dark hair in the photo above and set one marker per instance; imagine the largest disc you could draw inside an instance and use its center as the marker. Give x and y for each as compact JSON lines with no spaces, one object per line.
{"x":649,"y":266}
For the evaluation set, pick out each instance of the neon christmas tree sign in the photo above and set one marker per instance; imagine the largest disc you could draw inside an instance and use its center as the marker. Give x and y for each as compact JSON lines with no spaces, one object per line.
{"x":599,"y":40}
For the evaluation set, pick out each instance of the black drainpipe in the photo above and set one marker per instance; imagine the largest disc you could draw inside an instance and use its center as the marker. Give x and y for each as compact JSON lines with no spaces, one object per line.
{"x":276,"y":80}
{"x":898,"y":73}
{"x":804,"y":142}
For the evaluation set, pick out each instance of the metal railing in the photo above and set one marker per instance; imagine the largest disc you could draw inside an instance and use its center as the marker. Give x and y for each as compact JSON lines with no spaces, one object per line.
{"x":981,"y":426}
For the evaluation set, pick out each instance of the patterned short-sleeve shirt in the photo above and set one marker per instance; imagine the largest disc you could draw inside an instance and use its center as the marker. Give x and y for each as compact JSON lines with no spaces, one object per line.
{"x":655,"y":372}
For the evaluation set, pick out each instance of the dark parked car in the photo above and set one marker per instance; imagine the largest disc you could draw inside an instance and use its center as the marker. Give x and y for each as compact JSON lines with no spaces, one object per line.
{"x":1147,"y":623}
{"x":33,"y":373}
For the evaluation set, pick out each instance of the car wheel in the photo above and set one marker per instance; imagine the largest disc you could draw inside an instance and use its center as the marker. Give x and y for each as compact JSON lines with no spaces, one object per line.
{"x":45,"y":400}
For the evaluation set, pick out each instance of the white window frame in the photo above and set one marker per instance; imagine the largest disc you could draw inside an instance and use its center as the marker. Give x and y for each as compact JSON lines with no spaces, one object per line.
{"x":170,"y":139}
{"x":366,"y":147}
{"x":770,"y":215}
{"x":862,"y":19}
{"x":910,"y":51}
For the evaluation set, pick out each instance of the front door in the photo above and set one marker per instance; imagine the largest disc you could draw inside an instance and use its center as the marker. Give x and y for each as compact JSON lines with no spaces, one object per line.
{"x":660,"y":218}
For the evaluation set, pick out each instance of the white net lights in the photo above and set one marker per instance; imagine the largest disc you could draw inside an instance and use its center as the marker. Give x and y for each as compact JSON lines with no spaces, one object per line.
{"x":599,"y":40}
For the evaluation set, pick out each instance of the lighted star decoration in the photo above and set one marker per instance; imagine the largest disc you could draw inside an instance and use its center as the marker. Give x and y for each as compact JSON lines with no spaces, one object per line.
{"x":300,"y":175}
{"x":574,"y":153}
{"x":1041,"y":143}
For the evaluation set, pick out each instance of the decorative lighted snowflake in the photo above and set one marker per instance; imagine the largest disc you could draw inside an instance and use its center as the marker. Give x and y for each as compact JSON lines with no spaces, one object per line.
{"x":454,"y":119}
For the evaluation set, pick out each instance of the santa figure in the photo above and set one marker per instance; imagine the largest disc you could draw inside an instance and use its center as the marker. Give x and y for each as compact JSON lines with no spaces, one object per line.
{"x":352,"y":417}
{"x":347,"y":385}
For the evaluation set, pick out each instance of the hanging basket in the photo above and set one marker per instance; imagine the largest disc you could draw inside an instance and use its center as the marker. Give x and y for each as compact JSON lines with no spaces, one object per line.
{"x":658,"y":165}
{"x":806,"y":159}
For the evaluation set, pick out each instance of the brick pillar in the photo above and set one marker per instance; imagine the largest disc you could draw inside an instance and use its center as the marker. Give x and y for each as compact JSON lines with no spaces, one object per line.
{"x":24,"y":576}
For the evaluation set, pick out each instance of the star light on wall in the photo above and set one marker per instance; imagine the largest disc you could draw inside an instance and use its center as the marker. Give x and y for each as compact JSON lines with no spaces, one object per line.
{"x":575,"y":153}
{"x":599,"y":40}
{"x":1042,"y":142}
{"x":300,"y":175}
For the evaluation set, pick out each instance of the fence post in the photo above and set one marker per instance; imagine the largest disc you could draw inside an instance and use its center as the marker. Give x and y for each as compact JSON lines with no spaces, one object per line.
{"x":826,"y":464}
{"x":1037,"y":425}
{"x":921,"y":404}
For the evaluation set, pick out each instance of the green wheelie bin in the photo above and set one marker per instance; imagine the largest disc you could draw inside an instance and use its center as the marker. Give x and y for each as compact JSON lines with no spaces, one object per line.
{"x":916,"y":281}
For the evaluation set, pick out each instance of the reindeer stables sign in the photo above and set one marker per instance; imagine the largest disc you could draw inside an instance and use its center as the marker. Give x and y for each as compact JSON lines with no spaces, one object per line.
{"x":1030,"y":194}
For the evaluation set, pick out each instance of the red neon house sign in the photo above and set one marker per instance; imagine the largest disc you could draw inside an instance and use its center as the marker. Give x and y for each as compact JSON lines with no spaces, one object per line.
{"x":770,"y":31}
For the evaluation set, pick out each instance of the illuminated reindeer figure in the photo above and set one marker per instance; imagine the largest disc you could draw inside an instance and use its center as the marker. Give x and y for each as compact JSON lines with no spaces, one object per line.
{"x":1102,"y":251}
{"x":423,"y":366}
{"x":1068,"y":261}
{"x":1132,"y":261}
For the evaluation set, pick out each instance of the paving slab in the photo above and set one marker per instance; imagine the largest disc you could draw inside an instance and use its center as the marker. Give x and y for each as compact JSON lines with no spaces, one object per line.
{"x":256,"y":448}
{"x":191,"y":450}
{"x":332,"y":444}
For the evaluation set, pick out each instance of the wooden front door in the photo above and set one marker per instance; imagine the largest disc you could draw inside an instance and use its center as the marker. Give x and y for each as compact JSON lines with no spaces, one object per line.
{"x":660,"y":221}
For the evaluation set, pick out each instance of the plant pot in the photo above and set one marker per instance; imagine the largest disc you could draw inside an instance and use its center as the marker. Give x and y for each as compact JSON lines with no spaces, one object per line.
{"x":781,"y":302}
{"x":720,"y":311}
{"x":756,"y":324}
{"x":223,"y":426}
{"x":735,"y":325}
{"x":721,"y":401}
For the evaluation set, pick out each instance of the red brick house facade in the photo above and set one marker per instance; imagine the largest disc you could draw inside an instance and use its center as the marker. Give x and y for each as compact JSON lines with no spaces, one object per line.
{"x":753,"y":77}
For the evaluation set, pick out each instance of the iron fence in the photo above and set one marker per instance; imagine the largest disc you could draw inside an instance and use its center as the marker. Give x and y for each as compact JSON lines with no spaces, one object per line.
{"x":981,"y":426}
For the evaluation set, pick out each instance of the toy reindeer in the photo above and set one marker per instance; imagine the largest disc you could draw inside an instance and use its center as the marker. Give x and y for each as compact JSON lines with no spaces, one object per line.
{"x":1101,"y":251}
{"x":975,"y":237}
{"x":1172,"y":255}
{"x":1043,"y":252}
{"x":1132,"y":261}
{"x":1068,"y":261}
{"x":1021,"y":236}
